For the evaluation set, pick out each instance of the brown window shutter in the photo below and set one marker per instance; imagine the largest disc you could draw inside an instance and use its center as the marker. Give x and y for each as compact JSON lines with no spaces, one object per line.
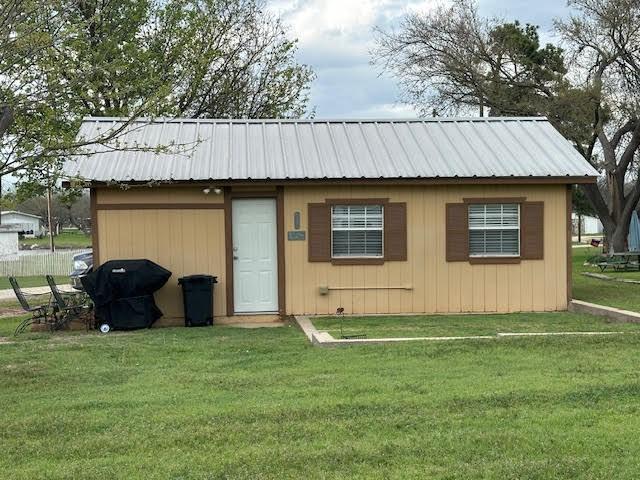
{"x":457,"y":224}
{"x":319,"y":232}
{"x":395,"y":232}
{"x":532,"y":230}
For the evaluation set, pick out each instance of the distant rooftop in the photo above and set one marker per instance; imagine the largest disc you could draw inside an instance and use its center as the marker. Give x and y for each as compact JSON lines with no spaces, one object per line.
{"x":283,"y":149}
{"x":7,"y":212}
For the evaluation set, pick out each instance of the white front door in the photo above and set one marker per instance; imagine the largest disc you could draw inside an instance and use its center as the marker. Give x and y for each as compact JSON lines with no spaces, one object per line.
{"x":255,"y":255}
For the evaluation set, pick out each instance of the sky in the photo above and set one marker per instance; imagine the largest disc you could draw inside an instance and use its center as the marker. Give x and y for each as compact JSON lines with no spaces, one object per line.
{"x":335,"y":38}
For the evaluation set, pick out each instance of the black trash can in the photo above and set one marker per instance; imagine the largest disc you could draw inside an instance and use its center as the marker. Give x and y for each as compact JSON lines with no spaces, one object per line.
{"x":197,"y":295}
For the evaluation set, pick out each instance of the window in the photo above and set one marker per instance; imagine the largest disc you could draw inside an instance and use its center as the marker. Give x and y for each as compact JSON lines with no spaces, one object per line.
{"x":357,"y":231}
{"x":494,"y":230}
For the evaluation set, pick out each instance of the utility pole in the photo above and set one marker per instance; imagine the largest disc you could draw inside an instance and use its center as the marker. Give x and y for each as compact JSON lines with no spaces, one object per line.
{"x":579,"y":228}
{"x":50,"y":218}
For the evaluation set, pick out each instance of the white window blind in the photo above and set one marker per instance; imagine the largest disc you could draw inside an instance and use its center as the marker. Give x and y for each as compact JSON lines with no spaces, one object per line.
{"x":357,"y":231}
{"x":494,"y":230}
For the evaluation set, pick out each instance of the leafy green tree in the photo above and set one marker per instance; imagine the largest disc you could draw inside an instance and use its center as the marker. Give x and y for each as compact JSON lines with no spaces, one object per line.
{"x":452,"y":59}
{"x":61,"y":60}
{"x":226,"y":59}
{"x":69,"y":206}
{"x":8,"y":201}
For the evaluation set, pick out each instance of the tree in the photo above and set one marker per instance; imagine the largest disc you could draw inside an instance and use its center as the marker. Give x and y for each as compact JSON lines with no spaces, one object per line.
{"x":228,"y":58}
{"x":453,"y":59}
{"x":605,"y":39}
{"x":61,"y":60}
{"x":581,"y":207}
{"x":25,"y":113}
{"x":77,"y":211}
{"x":70,"y":207}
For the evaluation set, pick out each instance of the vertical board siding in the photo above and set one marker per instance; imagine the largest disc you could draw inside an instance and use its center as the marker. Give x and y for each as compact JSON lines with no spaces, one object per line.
{"x":188,"y":241}
{"x":161,"y":194}
{"x":184,"y":241}
{"x":436,"y":285}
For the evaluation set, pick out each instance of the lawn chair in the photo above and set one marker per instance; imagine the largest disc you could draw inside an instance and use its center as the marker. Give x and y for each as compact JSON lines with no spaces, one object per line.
{"x":69,"y":307}
{"x":39,"y":314}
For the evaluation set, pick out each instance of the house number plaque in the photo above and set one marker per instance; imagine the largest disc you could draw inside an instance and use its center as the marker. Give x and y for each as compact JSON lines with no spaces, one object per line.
{"x":296,"y":235}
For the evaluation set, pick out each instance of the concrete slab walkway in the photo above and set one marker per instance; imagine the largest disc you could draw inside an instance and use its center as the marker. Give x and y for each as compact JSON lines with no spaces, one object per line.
{"x":252,"y":325}
{"x":325,"y":339}
{"x":602,"y":276}
{"x":612,"y":313}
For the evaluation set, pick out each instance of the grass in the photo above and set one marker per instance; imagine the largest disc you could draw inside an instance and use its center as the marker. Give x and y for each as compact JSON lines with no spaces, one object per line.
{"x":243,"y":404}
{"x":209,"y":403}
{"x":67,"y":239}
{"x":33,"y":281}
{"x":614,"y":294}
{"x":464,"y":325}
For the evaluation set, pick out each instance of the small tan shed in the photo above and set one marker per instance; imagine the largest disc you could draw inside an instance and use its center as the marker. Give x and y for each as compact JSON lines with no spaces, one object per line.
{"x":304,"y":217}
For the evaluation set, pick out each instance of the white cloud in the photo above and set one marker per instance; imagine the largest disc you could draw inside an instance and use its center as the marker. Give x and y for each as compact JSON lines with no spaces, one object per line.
{"x":316,"y":19}
{"x":336,"y":36}
{"x":387,"y":110}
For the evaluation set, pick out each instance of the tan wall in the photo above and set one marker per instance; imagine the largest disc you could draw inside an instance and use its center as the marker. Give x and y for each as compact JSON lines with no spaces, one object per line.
{"x":433,"y":285}
{"x":193,"y":241}
{"x":185,"y":241}
{"x":163,"y":194}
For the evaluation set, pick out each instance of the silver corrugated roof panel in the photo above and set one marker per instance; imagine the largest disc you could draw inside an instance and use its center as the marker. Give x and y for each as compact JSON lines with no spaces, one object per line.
{"x":188,"y":149}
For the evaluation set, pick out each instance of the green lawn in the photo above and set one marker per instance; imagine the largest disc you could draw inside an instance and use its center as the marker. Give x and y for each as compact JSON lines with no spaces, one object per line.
{"x":72,"y":239}
{"x":615,"y":294}
{"x":464,"y":325}
{"x":209,"y":403}
{"x":586,"y":253}
{"x":33,"y":281}
{"x":231,"y":403}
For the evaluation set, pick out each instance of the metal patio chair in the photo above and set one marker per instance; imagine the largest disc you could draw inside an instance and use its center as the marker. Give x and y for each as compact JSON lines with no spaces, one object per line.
{"x":69,"y":306}
{"x":39,"y":314}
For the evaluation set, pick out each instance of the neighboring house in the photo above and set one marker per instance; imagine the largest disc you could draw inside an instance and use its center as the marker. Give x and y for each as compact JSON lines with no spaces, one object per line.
{"x":9,"y":243}
{"x":374,"y":216}
{"x":27,"y":224}
{"x":590,"y":225}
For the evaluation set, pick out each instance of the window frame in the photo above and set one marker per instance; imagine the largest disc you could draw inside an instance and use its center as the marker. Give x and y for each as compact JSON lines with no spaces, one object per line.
{"x":485,"y":228}
{"x":381,"y":229}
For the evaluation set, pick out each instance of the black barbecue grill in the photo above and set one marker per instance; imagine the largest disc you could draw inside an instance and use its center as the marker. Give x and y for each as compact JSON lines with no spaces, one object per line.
{"x":122,"y":292}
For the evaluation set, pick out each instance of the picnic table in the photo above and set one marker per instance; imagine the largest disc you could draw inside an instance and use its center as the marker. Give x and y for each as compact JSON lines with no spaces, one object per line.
{"x":620,"y":261}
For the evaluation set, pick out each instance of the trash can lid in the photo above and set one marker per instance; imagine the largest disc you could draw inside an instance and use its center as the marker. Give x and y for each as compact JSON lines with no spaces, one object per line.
{"x":197,"y":278}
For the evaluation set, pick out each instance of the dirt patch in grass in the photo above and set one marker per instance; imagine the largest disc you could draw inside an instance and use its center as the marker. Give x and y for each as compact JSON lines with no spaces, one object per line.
{"x":10,"y":312}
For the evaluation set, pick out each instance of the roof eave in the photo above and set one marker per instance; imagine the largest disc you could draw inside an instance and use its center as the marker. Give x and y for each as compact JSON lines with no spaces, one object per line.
{"x":530,"y":180}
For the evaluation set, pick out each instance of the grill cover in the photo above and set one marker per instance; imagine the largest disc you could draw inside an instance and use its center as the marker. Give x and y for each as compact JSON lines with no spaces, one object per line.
{"x":122,"y":291}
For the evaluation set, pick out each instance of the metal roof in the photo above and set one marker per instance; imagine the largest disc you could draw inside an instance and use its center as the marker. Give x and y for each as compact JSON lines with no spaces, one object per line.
{"x":15,"y":212}
{"x":202,"y":149}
